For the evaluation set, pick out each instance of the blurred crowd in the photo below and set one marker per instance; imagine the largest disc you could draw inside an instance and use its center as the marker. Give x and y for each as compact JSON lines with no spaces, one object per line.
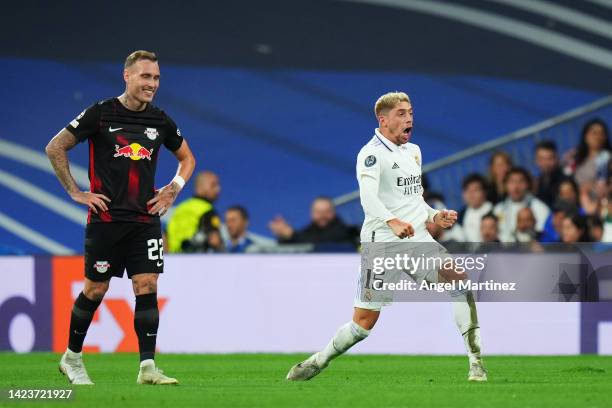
{"x":568,"y":199}
{"x":195,"y":225}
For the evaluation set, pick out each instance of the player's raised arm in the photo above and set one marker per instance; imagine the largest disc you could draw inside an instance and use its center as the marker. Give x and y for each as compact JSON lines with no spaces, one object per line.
{"x":165,"y":197}
{"x":57,"y":151}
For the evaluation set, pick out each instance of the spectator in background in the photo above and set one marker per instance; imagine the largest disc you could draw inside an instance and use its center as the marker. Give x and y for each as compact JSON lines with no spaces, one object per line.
{"x":590,"y":161}
{"x":194,"y":224}
{"x":525,"y":227}
{"x":518,"y":188}
{"x":575,"y":229}
{"x":595,"y":228}
{"x":475,"y":199}
{"x":500,"y":164}
{"x":325,"y":227}
{"x":551,"y":174}
{"x":237,"y":223}
{"x":567,"y":190}
{"x":489,"y":231}
{"x":554,"y":224}
{"x":607,"y":220}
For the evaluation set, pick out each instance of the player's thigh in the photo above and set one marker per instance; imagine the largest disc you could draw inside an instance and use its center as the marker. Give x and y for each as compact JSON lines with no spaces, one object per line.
{"x":144,"y":255}
{"x":367,"y":299}
{"x":103,"y":251}
{"x":433,"y":258}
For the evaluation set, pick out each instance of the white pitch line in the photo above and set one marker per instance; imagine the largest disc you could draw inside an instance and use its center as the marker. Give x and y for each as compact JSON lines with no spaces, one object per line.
{"x":564,"y":14}
{"x":510,"y":27}
{"x":40,"y":161}
{"x":43,"y":198}
{"x":603,"y":3}
{"x":34,"y":237}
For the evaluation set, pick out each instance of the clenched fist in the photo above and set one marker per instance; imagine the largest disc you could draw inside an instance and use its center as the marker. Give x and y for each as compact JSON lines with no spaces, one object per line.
{"x":445,"y":218}
{"x":400,"y":228}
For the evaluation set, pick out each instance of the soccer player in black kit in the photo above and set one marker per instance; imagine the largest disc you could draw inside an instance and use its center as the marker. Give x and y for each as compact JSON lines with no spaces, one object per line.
{"x":123,"y":231}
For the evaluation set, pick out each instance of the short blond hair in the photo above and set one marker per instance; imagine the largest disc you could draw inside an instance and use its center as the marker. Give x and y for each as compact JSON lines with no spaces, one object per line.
{"x":139,"y":55}
{"x":389,"y":101}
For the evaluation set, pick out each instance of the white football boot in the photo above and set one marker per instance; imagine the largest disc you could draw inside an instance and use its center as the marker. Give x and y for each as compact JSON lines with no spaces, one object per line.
{"x":149,"y":374}
{"x":477,"y":372}
{"x":71,"y":365}
{"x":305,"y":370}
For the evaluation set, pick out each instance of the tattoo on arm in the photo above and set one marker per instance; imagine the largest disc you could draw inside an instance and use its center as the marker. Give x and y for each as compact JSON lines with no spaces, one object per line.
{"x":174,"y":189}
{"x":57,"y":152}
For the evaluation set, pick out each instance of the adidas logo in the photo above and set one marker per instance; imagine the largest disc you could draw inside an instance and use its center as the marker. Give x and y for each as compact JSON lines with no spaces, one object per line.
{"x":395,"y":166}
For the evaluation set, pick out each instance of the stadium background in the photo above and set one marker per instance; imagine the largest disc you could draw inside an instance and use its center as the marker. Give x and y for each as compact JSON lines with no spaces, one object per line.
{"x":276,"y":97}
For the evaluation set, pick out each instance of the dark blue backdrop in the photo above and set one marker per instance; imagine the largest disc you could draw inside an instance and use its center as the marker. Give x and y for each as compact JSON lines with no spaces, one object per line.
{"x":277,"y":99}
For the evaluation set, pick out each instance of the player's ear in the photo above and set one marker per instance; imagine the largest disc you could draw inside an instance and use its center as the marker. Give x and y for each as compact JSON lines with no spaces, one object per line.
{"x":126,"y":75}
{"x":382,"y":120}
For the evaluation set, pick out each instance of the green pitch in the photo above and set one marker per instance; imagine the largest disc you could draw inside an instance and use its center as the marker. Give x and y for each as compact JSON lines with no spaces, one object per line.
{"x":249,"y":380}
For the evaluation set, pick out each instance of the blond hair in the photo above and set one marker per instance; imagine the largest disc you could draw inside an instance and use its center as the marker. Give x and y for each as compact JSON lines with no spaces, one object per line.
{"x":389,"y":101}
{"x":139,"y":55}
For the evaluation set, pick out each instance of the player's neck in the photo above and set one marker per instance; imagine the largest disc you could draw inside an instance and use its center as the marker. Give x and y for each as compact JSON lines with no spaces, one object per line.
{"x":131,"y":103}
{"x":386,"y":136}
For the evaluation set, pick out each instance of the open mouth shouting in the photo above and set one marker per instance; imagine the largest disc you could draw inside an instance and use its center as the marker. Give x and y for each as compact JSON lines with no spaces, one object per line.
{"x":406,"y":133}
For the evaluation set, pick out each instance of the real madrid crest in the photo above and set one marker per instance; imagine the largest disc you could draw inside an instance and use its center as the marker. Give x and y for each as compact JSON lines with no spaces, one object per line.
{"x":417,"y":160}
{"x":151,"y":133}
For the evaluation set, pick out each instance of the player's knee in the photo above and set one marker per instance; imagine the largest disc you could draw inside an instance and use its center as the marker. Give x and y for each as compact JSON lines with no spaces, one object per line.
{"x":451,"y":275}
{"x":366,"y":319}
{"x":367,"y":324}
{"x":95,"y":290}
{"x":144,"y":284}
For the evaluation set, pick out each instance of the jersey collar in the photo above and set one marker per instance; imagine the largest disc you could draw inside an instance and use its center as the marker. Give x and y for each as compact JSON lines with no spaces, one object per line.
{"x":382,"y":139}
{"x":390,"y":146}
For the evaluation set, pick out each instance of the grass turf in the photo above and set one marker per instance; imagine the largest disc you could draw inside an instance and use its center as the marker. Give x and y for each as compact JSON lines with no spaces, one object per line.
{"x":248,"y":380}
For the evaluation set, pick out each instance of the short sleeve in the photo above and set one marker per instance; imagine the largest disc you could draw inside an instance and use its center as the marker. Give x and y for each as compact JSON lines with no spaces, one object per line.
{"x":173,"y":138}
{"x":86,"y":124}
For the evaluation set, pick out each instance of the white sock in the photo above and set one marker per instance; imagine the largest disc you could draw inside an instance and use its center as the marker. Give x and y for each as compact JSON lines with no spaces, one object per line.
{"x":346,"y":337}
{"x":147,"y":362}
{"x":466,"y":318}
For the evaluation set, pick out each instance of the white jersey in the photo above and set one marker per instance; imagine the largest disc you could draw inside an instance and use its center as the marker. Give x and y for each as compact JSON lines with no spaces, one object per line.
{"x":390,"y":187}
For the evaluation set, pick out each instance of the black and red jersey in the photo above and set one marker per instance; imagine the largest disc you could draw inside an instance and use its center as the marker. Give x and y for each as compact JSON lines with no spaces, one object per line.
{"x":123,"y":150}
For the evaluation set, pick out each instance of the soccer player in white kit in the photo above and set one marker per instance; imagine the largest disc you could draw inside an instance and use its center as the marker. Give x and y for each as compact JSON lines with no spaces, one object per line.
{"x":389,"y":176}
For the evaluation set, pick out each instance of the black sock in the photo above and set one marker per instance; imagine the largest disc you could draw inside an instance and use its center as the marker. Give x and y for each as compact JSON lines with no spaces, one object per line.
{"x":80,"y":319}
{"x":146,"y":322}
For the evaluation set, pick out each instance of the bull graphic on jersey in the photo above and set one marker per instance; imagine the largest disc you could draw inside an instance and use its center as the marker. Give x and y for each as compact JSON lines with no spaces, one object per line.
{"x":133,"y":151}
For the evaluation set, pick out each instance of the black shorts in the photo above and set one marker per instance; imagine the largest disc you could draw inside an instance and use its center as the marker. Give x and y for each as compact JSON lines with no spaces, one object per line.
{"x":111,"y":248}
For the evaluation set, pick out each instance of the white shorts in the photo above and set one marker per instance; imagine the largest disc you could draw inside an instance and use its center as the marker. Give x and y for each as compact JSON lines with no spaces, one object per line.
{"x":430,"y":248}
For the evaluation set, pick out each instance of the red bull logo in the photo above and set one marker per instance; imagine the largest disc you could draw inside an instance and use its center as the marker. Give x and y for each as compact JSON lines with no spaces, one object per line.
{"x":134,"y":151}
